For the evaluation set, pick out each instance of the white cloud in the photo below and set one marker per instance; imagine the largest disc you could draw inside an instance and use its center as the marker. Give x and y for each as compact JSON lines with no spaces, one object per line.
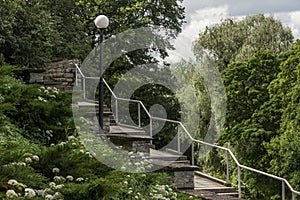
{"x":197,"y":23}
{"x":244,"y":7}
{"x":295,"y":23}
{"x":208,"y":16}
{"x":292,"y":20}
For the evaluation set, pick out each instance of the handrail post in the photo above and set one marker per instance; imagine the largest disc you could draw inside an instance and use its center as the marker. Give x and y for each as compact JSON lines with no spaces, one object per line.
{"x":293,"y":195}
{"x":193,"y":153}
{"x":139,"y":114}
{"x":76,"y":77}
{"x":283,"y":190}
{"x":83,"y":85}
{"x":151,"y":128}
{"x":227,"y":168}
{"x":117,"y":112}
{"x":239,"y":182}
{"x":178,"y":141}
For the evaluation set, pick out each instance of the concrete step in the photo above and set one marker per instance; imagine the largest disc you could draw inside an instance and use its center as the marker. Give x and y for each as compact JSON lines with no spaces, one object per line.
{"x":209,"y":187}
{"x":218,"y":190}
{"x":91,"y":104}
{"x":168,"y":156}
{"x":217,"y":180}
{"x":208,"y":195}
{"x":127,"y":130}
{"x":232,"y":194}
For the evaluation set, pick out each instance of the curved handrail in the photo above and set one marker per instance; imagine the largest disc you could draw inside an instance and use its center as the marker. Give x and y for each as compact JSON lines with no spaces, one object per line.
{"x":239,"y":166}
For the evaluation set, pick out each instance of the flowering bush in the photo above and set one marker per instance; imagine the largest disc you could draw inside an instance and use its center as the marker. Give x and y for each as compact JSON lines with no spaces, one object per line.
{"x":42,"y":159}
{"x":43,"y":114}
{"x":164,"y":192}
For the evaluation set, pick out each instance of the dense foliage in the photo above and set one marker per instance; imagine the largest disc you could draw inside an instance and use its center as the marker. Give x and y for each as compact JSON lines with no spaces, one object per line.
{"x":260,"y":70}
{"x":35,"y":32}
{"x":41,"y":157}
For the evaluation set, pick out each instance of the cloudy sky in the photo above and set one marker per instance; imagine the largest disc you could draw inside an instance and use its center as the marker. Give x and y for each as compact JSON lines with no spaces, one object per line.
{"x":202,"y":13}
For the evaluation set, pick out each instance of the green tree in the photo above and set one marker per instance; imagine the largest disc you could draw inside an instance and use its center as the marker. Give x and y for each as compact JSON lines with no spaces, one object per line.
{"x":284,"y":148}
{"x":236,"y":40}
{"x":249,"y":124}
{"x":35,"y":32}
{"x":27,"y":33}
{"x":247,"y":86}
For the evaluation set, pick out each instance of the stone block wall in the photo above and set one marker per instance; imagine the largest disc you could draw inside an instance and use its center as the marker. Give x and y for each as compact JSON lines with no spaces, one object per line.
{"x":183,"y":179}
{"x":61,"y":73}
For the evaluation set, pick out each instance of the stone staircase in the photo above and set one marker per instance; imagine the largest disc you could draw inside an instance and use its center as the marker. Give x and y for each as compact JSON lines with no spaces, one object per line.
{"x":186,"y":178}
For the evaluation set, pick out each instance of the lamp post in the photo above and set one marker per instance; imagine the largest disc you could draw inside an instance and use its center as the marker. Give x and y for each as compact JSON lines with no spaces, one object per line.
{"x":101,"y":22}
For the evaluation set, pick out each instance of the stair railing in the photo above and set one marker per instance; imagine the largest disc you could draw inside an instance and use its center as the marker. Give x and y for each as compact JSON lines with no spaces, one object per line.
{"x":228,"y":151}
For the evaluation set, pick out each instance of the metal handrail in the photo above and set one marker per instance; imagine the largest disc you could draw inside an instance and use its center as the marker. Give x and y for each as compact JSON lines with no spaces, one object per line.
{"x":227,"y":150}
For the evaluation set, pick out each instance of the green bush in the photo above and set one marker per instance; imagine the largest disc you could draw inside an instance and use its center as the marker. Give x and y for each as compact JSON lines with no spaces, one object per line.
{"x":44,"y":114}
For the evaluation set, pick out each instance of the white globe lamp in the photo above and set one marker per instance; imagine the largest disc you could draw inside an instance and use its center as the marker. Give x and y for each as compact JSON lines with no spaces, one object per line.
{"x":101,"y":21}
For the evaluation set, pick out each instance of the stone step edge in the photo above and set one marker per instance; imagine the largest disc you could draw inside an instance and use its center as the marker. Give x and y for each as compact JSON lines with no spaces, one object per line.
{"x":173,"y":151}
{"x":233,"y":194}
{"x":213,"y":178}
{"x":217,"y":190}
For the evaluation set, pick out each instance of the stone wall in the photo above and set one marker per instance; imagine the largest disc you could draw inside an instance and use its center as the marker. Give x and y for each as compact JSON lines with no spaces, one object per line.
{"x":60,"y":74}
{"x":183,"y":179}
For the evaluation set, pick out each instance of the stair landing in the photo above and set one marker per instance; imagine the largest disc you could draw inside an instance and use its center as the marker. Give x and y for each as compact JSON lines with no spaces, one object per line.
{"x":208,"y":187}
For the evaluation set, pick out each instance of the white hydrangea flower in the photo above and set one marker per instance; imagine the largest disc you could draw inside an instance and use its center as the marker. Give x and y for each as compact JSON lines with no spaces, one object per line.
{"x":21,"y":164}
{"x":57,"y":196}
{"x":12,"y":182}
{"x":59,"y":178}
{"x":55,"y":170}
{"x":80,"y":179}
{"x":28,"y":160}
{"x":58,"y":187}
{"x":70,"y":178}
{"x":52,"y":185}
{"x":36,"y":158}
{"x":40,"y":193}
{"x":11,"y":194}
{"x":81,"y":151}
{"x":48,"y":197}
{"x":29,"y":193}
